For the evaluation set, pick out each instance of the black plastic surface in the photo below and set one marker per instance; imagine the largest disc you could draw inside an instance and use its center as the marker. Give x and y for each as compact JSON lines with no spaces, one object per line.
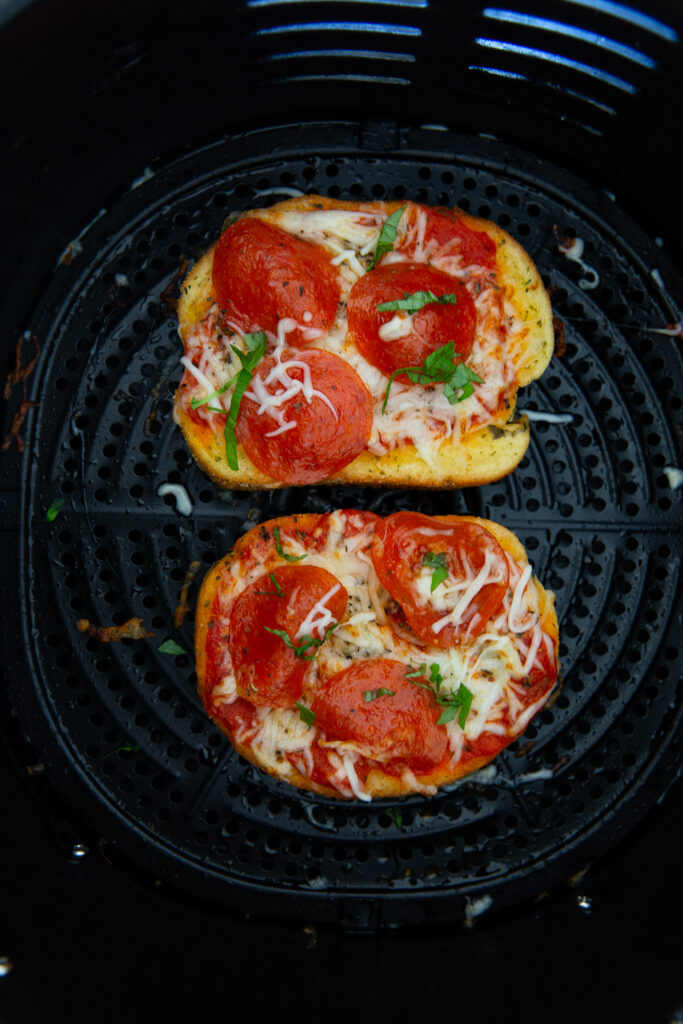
{"x":120,"y":728}
{"x":80,"y":935}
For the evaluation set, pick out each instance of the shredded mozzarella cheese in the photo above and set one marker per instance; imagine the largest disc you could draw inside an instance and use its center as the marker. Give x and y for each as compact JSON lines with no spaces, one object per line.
{"x":319,"y":617}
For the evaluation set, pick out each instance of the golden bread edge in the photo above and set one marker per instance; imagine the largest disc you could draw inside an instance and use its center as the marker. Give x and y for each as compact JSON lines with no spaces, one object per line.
{"x":499,"y":447}
{"x":378,"y":784}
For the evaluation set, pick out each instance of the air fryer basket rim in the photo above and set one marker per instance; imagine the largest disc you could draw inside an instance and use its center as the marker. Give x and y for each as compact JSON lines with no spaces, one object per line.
{"x":221,"y":169}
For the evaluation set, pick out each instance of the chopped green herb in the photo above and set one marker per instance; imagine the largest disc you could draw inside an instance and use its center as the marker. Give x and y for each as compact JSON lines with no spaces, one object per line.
{"x":254,"y":342}
{"x":54,"y":509}
{"x":437,"y":562}
{"x":438,"y":576}
{"x":278,"y":548}
{"x":419,"y":671}
{"x":278,"y":592}
{"x":305,"y":714}
{"x":435,"y":675}
{"x":413,"y":301}
{"x":369,"y":695}
{"x":439,"y":368}
{"x":128,"y":748}
{"x":256,"y":345}
{"x":457,"y":702}
{"x":460,"y":705}
{"x":306,"y":641}
{"x":196,"y":402}
{"x":395,"y":815}
{"x":171,"y":647}
{"x":387,"y":236}
{"x":460,"y":386}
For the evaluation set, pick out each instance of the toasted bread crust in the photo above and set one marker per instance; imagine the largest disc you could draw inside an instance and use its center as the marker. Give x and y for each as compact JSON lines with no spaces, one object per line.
{"x":483,"y":456}
{"x":378,"y":783}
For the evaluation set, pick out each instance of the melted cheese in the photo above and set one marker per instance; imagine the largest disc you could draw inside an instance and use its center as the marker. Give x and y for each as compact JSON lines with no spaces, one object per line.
{"x":354,"y":782}
{"x":319,"y":617}
{"x":572,"y":248}
{"x":513,"y":619}
{"x":456,"y":596}
{"x":281,"y":731}
{"x":183,"y":503}
{"x":288,"y":388}
{"x":400,"y":326}
{"x":226,"y":691}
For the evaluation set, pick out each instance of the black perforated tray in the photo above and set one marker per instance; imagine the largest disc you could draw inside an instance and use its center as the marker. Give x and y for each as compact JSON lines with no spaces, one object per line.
{"x":120,"y":728}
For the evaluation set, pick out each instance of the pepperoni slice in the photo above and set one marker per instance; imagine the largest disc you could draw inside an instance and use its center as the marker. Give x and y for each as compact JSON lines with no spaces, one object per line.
{"x":388,"y":728}
{"x":445,"y":233}
{"x":323,"y":406}
{"x":379,"y":335}
{"x":408,"y":548}
{"x":267,"y":670}
{"x":261,"y":274}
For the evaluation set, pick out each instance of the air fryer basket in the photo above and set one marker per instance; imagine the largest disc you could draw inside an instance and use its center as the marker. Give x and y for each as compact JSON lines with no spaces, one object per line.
{"x":119,"y":727}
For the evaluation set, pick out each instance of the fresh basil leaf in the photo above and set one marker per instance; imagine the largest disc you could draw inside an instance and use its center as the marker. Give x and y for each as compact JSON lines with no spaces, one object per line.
{"x":369,"y":695}
{"x":243,"y":382}
{"x":435,"y":674}
{"x":278,"y":547}
{"x":466,"y":698}
{"x":435,"y":559}
{"x":127,"y":748}
{"x":460,"y":386}
{"x":414,"y":301}
{"x":278,"y":592}
{"x":54,"y":510}
{"x":306,"y":641}
{"x":305,"y":714}
{"x":255,"y":340}
{"x":387,"y":236}
{"x":416,"y":673}
{"x":390,"y":382}
{"x":440,"y":368}
{"x":395,"y":815}
{"x":257,"y":349}
{"x":439,"y":363}
{"x":438,"y":576}
{"x":196,"y":402}
{"x":284,"y":636}
{"x":299,"y":649}
{"x":275,"y":583}
{"x":457,"y":703}
{"x":171,"y":647}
